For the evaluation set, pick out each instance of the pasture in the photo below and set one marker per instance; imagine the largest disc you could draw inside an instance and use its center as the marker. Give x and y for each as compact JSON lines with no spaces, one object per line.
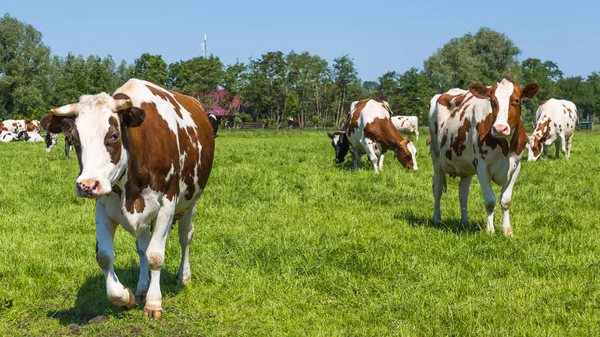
{"x":288,"y":243}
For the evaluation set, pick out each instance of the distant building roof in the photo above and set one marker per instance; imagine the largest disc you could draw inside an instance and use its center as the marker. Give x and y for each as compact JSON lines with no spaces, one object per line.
{"x":216,"y":102}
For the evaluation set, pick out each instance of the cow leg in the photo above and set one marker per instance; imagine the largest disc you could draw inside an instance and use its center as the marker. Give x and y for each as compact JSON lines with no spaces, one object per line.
{"x":563,"y":146}
{"x":380,"y":162}
{"x":186,"y":232}
{"x":142,"y":242}
{"x":369,"y":149}
{"x":463,"y":193}
{"x":105,"y":233}
{"x":569,"y":144}
{"x":439,"y":185}
{"x":485,"y":181}
{"x":417,"y":133}
{"x":156,"y":256}
{"x":356,"y":159}
{"x":505,"y":200}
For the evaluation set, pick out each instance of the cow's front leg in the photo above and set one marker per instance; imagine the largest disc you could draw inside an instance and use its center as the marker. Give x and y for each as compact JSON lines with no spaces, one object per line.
{"x":569,"y":144}
{"x":380,"y":162}
{"x":156,"y":256}
{"x":506,"y":198}
{"x":463,"y":194}
{"x":485,"y":181}
{"x":370,"y":150}
{"x":141,"y":243}
{"x":105,"y":232}
{"x":356,"y":159}
{"x":563,"y":146}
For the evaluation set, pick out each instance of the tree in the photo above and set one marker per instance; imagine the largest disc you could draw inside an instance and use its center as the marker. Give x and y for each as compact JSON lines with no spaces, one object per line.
{"x":484,"y":57}
{"x":415,"y":92}
{"x":233,"y":84}
{"x":24,"y":61}
{"x":580,"y":92}
{"x":151,"y":68}
{"x":388,"y":89}
{"x":198,"y":77}
{"x":546,"y":74}
{"x":347,"y":84}
{"x":266,"y":86}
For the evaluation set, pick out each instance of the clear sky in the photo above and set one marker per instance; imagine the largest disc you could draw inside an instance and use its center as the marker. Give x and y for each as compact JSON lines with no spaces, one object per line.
{"x":378,"y":35}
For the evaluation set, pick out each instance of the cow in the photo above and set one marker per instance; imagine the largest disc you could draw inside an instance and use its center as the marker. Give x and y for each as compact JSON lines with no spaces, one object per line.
{"x":52,"y":139}
{"x":556,"y":121}
{"x":479,"y":132}
{"x":145,"y":154}
{"x":6,"y":136}
{"x":408,"y":124}
{"x":214,"y":122}
{"x":13,"y":125}
{"x":33,"y":126}
{"x":33,"y":137}
{"x":370,"y":130}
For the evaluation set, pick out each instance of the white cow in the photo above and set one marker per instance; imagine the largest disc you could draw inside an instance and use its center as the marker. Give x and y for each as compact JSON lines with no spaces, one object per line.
{"x":556,"y":121}
{"x":407,"y":124}
{"x":14,"y":125}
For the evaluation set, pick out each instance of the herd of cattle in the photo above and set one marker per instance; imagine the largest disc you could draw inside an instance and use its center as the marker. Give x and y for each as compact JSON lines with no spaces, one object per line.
{"x":13,"y":130}
{"x":145,"y":154}
{"x":478,"y":131}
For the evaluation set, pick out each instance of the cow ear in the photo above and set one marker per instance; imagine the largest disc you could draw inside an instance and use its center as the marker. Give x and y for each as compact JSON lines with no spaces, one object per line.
{"x":330,"y":135}
{"x":530,"y":90}
{"x":58,"y":124}
{"x":132,"y":117}
{"x":480,"y":91}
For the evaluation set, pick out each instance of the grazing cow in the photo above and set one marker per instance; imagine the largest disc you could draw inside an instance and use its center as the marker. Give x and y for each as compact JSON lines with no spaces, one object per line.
{"x":14,"y":126}
{"x":214,"y":122}
{"x":479,"y":132}
{"x":556,"y":121}
{"x":52,"y":139}
{"x":370,"y":130}
{"x":407,"y":124}
{"x":145,"y":154}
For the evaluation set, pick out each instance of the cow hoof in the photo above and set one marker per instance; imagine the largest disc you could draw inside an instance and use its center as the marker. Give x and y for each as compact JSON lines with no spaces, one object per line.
{"x":154,"y":314}
{"x":131,"y":304}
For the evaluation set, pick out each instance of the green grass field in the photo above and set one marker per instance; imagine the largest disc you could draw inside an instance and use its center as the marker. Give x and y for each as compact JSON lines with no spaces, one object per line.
{"x":289,"y":244}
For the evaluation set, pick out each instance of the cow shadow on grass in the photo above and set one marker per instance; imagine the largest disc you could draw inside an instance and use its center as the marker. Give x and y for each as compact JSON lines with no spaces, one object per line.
{"x":448,"y":225}
{"x":92,"y":306}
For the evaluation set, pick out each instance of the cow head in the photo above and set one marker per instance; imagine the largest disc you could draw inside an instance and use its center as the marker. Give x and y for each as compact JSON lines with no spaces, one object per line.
{"x":406,"y":154}
{"x":51,"y":140}
{"x":505,"y":101}
{"x":534,"y":148}
{"x":340,"y":144}
{"x":97,"y":125}
{"x":23,"y":135}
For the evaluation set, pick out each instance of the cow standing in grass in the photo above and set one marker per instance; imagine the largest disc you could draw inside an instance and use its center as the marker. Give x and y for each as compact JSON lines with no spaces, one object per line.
{"x":556,"y":121}
{"x":145,"y":155}
{"x":370,"y":130}
{"x":479,"y":132}
{"x":407,"y":124}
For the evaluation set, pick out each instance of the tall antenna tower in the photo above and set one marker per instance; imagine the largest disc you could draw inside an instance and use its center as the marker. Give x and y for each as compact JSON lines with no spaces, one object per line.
{"x":204,"y":47}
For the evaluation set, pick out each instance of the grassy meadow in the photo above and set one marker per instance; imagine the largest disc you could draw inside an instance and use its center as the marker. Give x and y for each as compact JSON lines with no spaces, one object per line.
{"x":289,"y":244}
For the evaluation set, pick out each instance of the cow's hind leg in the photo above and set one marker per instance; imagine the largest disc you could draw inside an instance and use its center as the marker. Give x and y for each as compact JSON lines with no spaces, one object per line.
{"x":439,"y":185}
{"x":370,"y":150}
{"x":105,"y":232}
{"x":156,"y":256}
{"x":505,"y":200}
{"x":569,"y":144}
{"x":186,"y":232}
{"x":463,"y":193}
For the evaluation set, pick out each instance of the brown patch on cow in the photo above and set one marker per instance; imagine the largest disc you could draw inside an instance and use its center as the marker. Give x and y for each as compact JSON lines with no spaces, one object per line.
{"x":449,"y":154}
{"x":382,"y":131}
{"x":117,"y":190}
{"x":31,"y":127}
{"x":354,"y":115}
{"x":120,"y":96}
{"x":458,"y":143}
{"x":519,"y":139}
{"x":444,"y":139}
{"x":485,"y":126}
{"x":113,"y":145}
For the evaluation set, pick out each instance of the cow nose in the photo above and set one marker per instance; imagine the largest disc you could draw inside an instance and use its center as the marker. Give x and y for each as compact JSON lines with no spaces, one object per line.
{"x":88,"y":187}
{"x":502,"y":129}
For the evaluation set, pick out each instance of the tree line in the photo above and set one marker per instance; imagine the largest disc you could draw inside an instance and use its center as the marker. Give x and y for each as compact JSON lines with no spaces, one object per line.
{"x":277,"y":86}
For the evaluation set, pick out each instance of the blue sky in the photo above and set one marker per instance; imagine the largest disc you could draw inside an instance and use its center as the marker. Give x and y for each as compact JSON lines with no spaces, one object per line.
{"x":378,"y":35}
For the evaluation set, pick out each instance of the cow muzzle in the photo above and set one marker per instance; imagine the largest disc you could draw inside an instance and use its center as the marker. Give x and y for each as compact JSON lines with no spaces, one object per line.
{"x":89,"y":188}
{"x":501,"y":130}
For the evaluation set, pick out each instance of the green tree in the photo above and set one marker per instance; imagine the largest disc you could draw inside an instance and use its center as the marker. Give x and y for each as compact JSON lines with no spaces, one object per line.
{"x":151,"y":68}
{"x":101,"y":74}
{"x":233,"y":84}
{"x":546,"y":74}
{"x":388,"y":89}
{"x":347,"y":86}
{"x":266,"y":91}
{"x":198,"y":77}
{"x":484,"y":57}
{"x":415,"y":92}
{"x":70,"y":80}
{"x":24,"y":64}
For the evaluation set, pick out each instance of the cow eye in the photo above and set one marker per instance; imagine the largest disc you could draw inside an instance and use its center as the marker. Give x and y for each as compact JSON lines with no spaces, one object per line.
{"x":517,"y":101}
{"x":114,"y":137}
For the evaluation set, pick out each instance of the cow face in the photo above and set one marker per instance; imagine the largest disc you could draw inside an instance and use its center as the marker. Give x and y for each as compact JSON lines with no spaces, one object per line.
{"x":340,"y":144}
{"x":406,"y":154}
{"x":97,"y":125}
{"x":534,"y":148}
{"x":23,"y":135}
{"x":505,"y":100}
{"x":51,"y":140}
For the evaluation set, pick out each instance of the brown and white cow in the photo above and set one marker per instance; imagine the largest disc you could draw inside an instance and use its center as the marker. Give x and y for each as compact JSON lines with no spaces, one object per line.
{"x":13,"y":125}
{"x":408,"y":124}
{"x":145,"y":155}
{"x":479,"y":132}
{"x":370,"y":130}
{"x":556,"y":121}
{"x":33,"y":126}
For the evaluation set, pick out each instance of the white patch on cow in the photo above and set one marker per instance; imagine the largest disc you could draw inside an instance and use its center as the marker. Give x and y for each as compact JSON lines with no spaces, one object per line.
{"x":137,"y":222}
{"x":504,"y":90}
{"x":170,"y":173}
{"x":34,"y":137}
{"x":92,"y":125}
{"x":413,"y":153}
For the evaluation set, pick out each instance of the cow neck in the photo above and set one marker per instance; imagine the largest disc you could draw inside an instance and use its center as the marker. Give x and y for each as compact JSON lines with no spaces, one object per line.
{"x":519,"y":138}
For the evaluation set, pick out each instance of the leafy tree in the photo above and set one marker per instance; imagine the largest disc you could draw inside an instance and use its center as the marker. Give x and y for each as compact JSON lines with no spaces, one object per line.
{"x":24,"y":61}
{"x":546,"y":74}
{"x":370,"y":87}
{"x":151,"y":68}
{"x":233,"y":83}
{"x":484,"y":57}
{"x":580,"y":92}
{"x":101,"y":74}
{"x":70,"y":80}
{"x":198,"y":77}
{"x":415,"y":93}
{"x":347,"y":86}
{"x":388,"y":89}
{"x":266,"y":90}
